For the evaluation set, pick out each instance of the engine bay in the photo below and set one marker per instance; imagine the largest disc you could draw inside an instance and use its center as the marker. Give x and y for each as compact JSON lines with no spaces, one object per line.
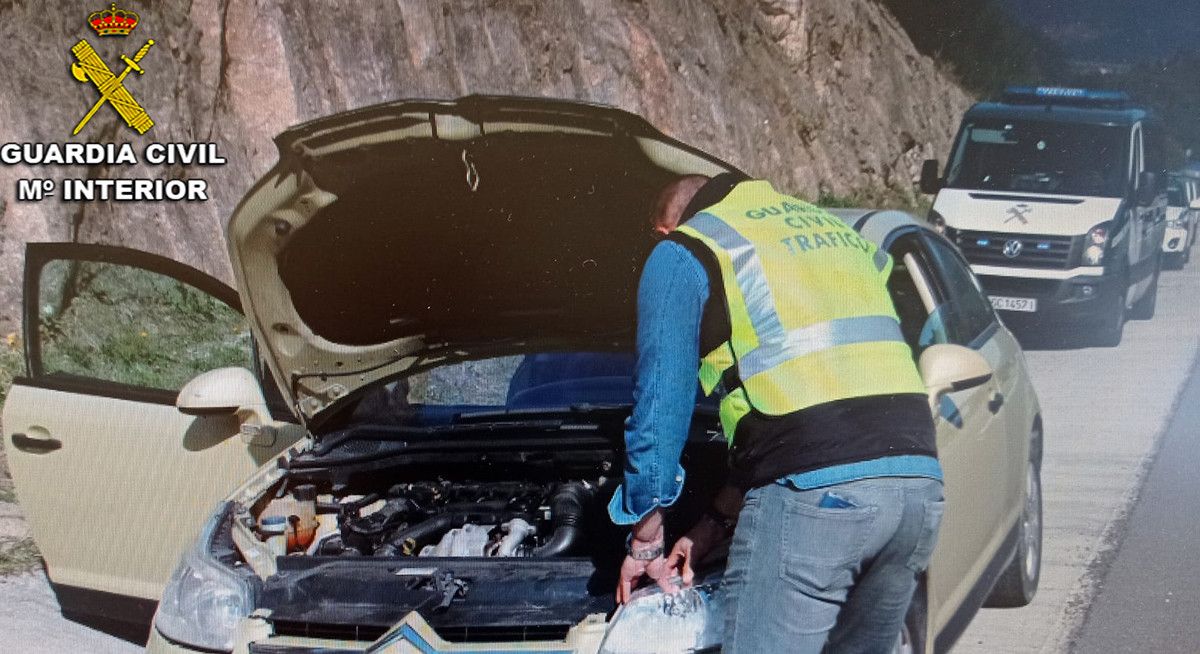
{"x":439,"y":518}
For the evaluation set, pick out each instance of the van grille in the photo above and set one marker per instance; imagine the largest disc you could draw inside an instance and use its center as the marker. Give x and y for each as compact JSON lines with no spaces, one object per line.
{"x":1036,"y":251}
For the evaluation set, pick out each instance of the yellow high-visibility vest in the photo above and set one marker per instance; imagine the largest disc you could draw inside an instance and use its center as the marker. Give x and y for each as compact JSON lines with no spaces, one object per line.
{"x":811,"y":320}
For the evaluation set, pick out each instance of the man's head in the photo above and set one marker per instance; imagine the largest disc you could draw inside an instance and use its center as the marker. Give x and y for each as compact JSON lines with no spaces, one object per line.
{"x":672,"y":200}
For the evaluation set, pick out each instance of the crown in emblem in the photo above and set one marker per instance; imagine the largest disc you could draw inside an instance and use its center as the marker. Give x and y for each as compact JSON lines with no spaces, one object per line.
{"x":113,"y":22}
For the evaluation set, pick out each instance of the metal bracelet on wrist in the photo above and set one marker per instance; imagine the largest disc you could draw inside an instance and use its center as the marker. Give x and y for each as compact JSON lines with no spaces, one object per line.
{"x":647,"y":553}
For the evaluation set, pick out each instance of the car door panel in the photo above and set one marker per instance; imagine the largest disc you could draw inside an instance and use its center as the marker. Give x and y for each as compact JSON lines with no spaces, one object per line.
{"x":971,"y":433}
{"x":126,"y":491}
{"x":114,"y":481}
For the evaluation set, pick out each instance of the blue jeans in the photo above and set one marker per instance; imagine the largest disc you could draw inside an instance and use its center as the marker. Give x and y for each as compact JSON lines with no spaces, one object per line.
{"x":802,"y":578}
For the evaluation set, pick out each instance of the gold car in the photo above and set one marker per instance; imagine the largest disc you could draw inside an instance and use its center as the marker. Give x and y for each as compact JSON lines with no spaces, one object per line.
{"x":407,"y":442}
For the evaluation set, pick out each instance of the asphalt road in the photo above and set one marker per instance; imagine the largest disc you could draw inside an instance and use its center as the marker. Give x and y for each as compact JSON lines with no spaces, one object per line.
{"x":1150,"y":595}
{"x":1104,"y":412}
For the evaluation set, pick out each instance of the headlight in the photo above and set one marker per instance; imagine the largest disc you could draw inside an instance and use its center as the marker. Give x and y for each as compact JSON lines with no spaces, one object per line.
{"x":204,"y":600}
{"x":653,"y":622}
{"x":1094,"y":244}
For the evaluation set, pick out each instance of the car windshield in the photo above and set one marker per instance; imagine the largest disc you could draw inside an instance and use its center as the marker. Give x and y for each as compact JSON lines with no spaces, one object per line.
{"x":1041,"y":157}
{"x":523,"y":384}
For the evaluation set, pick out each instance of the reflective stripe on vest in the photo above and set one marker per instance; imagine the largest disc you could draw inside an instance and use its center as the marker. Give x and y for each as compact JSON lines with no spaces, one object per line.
{"x":826,"y":342}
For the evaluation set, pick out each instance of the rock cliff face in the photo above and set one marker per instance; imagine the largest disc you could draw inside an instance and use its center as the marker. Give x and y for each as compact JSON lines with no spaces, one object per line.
{"x":818,"y":95}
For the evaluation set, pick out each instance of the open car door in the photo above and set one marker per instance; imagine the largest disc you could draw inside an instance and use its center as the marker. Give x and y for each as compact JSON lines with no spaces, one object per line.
{"x":114,"y":480}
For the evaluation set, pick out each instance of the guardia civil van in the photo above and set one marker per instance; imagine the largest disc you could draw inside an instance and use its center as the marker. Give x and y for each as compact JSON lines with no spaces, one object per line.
{"x":1056,"y":196}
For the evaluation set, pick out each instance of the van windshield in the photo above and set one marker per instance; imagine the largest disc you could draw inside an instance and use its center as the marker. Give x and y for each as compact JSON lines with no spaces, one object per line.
{"x":1041,"y":157}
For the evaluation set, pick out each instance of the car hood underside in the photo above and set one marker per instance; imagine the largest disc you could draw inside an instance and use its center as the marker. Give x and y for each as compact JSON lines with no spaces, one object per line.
{"x":405,"y":235}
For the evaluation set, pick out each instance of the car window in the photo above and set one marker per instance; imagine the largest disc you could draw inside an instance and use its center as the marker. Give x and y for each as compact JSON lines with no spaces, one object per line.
{"x":131,"y":326}
{"x":964,"y":313}
{"x":911,"y":296}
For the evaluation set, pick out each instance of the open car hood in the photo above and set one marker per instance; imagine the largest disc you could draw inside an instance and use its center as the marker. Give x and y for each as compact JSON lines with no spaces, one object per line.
{"x":400,"y":236}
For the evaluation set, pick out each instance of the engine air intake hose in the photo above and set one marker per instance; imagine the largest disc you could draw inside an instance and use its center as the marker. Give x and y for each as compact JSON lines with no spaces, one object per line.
{"x":566,"y":512}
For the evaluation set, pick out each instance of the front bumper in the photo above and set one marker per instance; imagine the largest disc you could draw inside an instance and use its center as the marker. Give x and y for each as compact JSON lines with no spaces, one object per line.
{"x":1082,"y":297}
{"x":412,"y":634}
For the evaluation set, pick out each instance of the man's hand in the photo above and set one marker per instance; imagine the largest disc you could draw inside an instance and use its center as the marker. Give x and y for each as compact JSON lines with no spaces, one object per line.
{"x":646,"y":535}
{"x":632,"y":570}
{"x":692,"y":548}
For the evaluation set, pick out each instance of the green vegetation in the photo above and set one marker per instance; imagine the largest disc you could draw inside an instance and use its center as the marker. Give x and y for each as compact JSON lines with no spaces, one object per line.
{"x":978,"y":42}
{"x":134,"y":327}
{"x":18,"y":555}
{"x":981,"y":44}
{"x":876,"y":198}
{"x":1171,"y":88}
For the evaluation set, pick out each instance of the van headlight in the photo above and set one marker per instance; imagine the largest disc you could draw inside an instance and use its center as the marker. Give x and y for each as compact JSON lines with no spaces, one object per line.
{"x":204,"y":599}
{"x":653,"y":621}
{"x":1094,"y":245}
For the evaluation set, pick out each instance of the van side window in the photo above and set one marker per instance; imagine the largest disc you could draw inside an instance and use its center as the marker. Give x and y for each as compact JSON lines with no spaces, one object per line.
{"x":1156,"y":149}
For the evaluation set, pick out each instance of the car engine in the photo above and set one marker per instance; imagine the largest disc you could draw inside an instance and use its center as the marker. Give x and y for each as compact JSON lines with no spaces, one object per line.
{"x":432,"y":519}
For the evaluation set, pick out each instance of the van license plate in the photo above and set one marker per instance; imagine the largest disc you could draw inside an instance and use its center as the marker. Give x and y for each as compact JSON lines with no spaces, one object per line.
{"x":1026,"y":304}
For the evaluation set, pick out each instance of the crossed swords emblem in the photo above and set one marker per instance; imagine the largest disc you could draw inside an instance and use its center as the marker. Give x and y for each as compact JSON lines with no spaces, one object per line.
{"x":90,"y":68}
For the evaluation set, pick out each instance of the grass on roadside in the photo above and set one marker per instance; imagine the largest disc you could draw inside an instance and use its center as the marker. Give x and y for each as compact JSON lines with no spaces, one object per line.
{"x":877,"y":198}
{"x":18,"y":555}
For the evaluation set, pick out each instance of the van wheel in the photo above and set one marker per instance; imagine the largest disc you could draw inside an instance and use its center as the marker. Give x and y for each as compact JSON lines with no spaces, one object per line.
{"x":1112,"y":326}
{"x":1143,"y":309}
{"x":1019,"y":582}
{"x":912,"y":636}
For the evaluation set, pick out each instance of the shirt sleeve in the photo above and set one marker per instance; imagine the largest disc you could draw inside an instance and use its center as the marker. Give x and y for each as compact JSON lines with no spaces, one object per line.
{"x":670,"y":303}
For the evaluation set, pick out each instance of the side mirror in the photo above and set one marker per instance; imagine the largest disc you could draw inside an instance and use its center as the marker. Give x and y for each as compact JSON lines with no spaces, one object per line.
{"x":1147,"y":188}
{"x":1195,"y":204}
{"x":220,"y":392}
{"x":231,"y":392}
{"x":949,"y":368}
{"x":931,"y":182}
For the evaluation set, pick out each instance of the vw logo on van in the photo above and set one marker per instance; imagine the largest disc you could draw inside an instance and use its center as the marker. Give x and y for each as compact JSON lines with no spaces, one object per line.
{"x":1012,"y":248}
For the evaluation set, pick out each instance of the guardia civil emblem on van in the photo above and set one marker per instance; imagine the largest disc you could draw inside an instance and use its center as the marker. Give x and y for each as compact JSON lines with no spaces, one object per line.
{"x":1019,"y":212}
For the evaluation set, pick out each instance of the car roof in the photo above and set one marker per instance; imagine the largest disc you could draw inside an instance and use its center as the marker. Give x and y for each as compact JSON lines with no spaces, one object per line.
{"x":1057,"y":113}
{"x":878,"y":224}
